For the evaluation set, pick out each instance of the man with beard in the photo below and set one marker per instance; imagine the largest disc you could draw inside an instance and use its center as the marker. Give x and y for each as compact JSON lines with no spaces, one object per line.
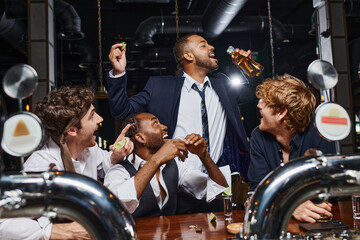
{"x":147,"y":182}
{"x":70,"y":121}
{"x":191,"y":102}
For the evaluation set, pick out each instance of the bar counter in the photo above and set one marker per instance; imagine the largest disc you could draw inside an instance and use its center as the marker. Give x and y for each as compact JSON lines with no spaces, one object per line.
{"x":178,"y":226}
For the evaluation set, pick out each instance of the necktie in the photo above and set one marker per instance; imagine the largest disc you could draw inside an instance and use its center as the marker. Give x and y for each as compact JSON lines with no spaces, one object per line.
{"x":204,"y":118}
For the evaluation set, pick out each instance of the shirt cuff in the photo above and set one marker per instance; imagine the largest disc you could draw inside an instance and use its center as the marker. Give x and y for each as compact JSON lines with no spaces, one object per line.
{"x":116,"y":76}
{"x":129,"y":198}
{"x":46,"y":226}
{"x":214,"y":189}
{"x":106,"y":164}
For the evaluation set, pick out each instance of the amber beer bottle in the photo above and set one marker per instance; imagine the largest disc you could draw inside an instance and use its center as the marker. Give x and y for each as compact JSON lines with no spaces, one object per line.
{"x":249,"y":66}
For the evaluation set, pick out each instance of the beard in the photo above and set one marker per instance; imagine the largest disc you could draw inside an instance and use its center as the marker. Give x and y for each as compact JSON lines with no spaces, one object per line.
{"x":155,"y":144}
{"x":206,"y":63}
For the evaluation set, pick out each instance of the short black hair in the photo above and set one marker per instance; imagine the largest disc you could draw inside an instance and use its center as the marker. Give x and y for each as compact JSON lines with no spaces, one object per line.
{"x":134,"y":128}
{"x":179,"y":46}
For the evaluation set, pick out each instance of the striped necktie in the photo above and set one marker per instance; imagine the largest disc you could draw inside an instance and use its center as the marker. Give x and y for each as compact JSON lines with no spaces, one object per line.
{"x":204,"y":117}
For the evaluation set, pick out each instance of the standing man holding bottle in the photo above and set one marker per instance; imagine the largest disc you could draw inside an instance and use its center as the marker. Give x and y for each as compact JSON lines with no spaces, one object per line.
{"x":191,"y":102}
{"x":179,"y":105}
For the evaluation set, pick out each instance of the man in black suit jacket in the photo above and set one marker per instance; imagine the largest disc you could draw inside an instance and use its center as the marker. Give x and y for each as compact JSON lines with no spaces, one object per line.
{"x":164,"y":97}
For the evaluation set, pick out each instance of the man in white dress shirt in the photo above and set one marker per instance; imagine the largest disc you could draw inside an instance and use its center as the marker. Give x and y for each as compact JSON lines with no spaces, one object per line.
{"x":70,"y":120}
{"x":148,"y":181}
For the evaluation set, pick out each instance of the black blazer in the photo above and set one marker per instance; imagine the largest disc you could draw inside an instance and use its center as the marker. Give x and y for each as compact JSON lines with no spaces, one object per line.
{"x":161,"y":97}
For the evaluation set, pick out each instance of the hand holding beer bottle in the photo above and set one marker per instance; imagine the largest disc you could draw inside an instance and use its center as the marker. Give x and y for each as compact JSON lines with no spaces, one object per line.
{"x":246,"y":64}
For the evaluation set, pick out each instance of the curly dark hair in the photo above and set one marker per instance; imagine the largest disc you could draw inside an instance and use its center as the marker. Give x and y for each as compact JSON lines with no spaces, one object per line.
{"x":61,"y":105}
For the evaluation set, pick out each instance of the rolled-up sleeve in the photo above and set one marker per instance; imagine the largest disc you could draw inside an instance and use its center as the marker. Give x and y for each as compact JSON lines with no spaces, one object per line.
{"x":119,"y":182}
{"x":25,"y":228}
{"x":103,"y":161}
{"x":199,"y":184}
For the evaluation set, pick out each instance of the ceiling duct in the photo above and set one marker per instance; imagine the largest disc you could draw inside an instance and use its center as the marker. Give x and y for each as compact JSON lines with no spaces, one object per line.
{"x":14,"y":32}
{"x":82,"y":49}
{"x":69,"y":22}
{"x":165,"y":25}
{"x":192,"y":24}
{"x":352,"y":8}
{"x":259,"y":24}
{"x":87,"y":56}
{"x":219,"y":14}
{"x":15,"y":9}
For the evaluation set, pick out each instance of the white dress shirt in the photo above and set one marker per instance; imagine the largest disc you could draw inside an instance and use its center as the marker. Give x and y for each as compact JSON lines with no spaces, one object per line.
{"x":191,"y":180}
{"x":93,"y":162}
{"x":189,"y":118}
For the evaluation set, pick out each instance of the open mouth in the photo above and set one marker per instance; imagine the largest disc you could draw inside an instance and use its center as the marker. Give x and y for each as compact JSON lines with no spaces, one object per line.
{"x":164,"y":135}
{"x":96,"y":130}
{"x":212,"y":56}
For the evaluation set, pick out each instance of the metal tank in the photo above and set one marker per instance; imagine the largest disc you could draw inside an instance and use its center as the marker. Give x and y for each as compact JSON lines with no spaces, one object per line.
{"x":70,"y":195}
{"x":293,"y":183}
{"x":56,"y":194}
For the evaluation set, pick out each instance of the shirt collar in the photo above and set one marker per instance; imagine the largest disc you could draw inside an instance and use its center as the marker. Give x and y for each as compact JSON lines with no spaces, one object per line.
{"x":297,"y":139}
{"x":189,"y":81}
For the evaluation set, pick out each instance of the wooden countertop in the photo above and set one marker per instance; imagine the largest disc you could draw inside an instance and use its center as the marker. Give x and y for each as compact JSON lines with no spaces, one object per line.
{"x":178,"y":226}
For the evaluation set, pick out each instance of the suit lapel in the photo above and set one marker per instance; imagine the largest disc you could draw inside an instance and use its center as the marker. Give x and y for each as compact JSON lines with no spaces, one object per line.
{"x":176,"y":100}
{"x":229,"y":106}
{"x":224,"y":97}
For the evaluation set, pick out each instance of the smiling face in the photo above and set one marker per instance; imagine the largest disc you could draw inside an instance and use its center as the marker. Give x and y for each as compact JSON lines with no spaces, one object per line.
{"x":268,"y":118}
{"x":89,"y":124}
{"x":204,"y":56}
{"x":152,"y":131}
{"x":290,"y":99}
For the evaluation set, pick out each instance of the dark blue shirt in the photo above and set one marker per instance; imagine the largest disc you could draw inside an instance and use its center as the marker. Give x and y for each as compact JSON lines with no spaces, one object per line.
{"x":266,"y":154}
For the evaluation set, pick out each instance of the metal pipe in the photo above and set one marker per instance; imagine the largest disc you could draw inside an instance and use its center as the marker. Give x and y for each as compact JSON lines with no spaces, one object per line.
{"x":165,"y":25}
{"x":192,"y":24}
{"x":69,"y":195}
{"x":293,"y":183}
{"x":13,"y":31}
{"x":69,"y":22}
{"x":219,"y":14}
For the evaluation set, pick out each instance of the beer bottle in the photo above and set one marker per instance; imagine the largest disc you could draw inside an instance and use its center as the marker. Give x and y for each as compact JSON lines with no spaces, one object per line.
{"x":249,"y":66}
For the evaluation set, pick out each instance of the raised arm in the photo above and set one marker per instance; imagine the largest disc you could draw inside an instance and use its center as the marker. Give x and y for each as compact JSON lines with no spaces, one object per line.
{"x":121,"y":106}
{"x":117,"y":58}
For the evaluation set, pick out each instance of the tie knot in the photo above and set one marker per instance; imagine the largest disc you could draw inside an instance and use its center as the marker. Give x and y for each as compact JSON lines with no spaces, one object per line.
{"x":197,"y":89}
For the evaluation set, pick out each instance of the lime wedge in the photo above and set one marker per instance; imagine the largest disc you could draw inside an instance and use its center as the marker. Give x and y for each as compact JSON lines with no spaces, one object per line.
{"x":212,"y":217}
{"x":123,"y":46}
{"x":120,"y":144}
{"x":227,"y":191}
